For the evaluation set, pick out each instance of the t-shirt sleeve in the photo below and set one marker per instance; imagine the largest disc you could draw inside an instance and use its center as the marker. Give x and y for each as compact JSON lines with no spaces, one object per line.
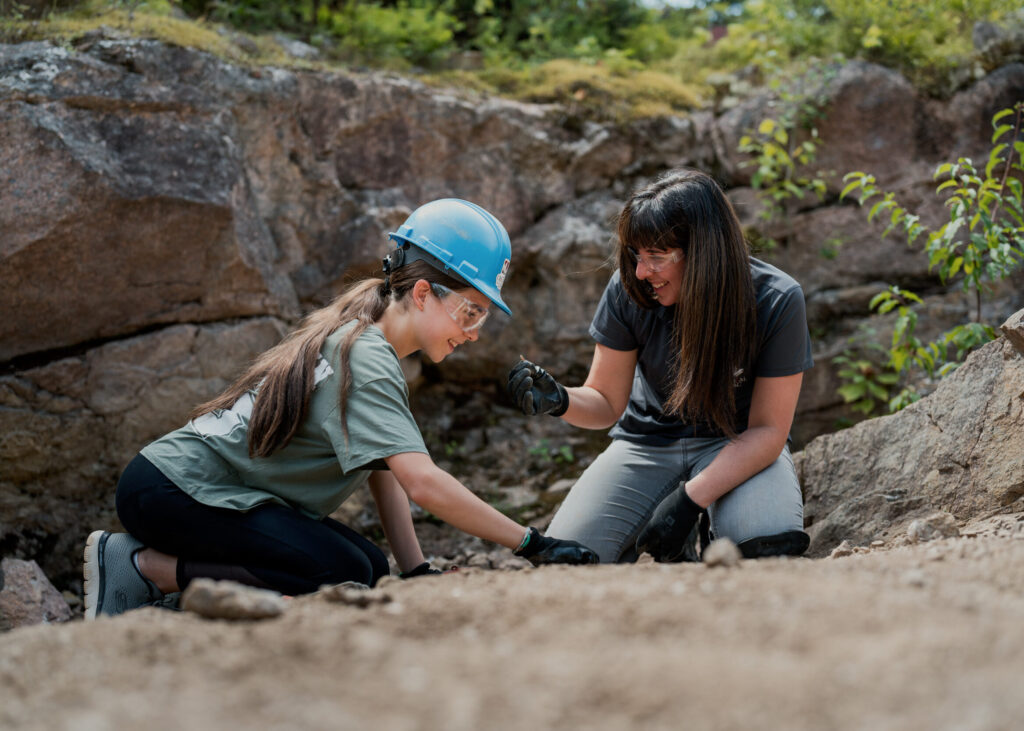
{"x":380,"y":424}
{"x":610,"y":326}
{"x":786,"y":342}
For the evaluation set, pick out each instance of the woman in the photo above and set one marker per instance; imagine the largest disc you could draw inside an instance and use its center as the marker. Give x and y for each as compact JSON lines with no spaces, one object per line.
{"x":698,"y":364}
{"x":244,"y":489}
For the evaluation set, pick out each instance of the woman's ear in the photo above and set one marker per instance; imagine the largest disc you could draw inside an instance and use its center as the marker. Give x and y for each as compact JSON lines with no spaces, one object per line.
{"x":420,"y":292}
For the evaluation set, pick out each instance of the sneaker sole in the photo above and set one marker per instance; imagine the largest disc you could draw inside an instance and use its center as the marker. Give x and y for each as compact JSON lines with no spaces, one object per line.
{"x":92,"y":572}
{"x":790,"y":543}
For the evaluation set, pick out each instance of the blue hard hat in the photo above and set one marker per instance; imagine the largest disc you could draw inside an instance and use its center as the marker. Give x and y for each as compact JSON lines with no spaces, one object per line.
{"x":458,"y":238}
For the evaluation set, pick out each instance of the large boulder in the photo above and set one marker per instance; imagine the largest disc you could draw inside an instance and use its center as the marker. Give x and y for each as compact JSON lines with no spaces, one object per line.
{"x":121,"y":212}
{"x":960,"y":450}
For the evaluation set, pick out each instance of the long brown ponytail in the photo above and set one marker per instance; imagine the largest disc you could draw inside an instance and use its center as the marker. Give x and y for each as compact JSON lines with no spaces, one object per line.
{"x":716,"y":319}
{"x":284,"y":375}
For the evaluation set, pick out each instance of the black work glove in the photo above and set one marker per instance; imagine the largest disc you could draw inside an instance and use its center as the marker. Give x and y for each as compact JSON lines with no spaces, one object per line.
{"x":665,"y":534}
{"x":535,"y":391}
{"x":540,"y":549}
{"x":424,"y":569}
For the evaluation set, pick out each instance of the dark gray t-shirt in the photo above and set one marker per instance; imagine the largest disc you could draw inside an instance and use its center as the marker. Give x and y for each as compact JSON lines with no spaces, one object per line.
{"x":784,"y":349}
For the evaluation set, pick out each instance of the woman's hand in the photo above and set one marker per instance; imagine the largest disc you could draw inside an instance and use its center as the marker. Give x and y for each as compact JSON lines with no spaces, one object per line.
{"x":664,"y":536}
{"x":535,"y":391}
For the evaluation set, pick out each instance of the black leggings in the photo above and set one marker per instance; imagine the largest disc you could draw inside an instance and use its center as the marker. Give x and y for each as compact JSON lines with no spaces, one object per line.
{"x":271,"y":545}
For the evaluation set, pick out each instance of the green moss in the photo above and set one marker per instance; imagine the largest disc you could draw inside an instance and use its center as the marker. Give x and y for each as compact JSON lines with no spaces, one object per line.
{"x":66,"y":28}
{"x":598,"y":90}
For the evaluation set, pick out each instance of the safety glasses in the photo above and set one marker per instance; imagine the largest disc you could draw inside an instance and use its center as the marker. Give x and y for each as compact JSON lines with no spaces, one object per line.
{"x":654,"y":262}
{"x":467,"y":314}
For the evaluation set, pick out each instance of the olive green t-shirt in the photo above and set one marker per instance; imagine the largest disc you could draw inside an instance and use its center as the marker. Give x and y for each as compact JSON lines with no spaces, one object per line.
{"x":319,"y":468}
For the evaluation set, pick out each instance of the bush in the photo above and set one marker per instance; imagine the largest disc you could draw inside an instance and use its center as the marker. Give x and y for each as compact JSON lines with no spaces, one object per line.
{"x":982,"y":243}
{"x":410,"y":33}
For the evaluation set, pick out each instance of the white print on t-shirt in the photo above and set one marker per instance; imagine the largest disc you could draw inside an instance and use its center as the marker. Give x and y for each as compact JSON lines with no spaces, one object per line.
{"x":221,"y":422}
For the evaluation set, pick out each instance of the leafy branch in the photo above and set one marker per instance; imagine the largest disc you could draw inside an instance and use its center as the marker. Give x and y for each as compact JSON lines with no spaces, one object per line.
{"x":981,"y":243}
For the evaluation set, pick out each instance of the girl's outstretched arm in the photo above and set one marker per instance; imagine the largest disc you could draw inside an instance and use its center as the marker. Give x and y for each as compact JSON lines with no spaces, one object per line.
{"x":395,"y":518}
{"x":436,"y":491}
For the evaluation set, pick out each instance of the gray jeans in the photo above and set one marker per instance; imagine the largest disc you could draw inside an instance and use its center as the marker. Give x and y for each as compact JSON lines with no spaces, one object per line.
{"x":615,"y":496}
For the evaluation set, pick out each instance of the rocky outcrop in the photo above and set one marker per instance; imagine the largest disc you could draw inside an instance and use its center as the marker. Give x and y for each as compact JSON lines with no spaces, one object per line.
{"x":165,"y":216}
{"x":959,"y":450}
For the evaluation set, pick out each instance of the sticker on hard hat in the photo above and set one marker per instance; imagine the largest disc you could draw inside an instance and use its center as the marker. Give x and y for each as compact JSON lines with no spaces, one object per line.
{"x":500,"y":279}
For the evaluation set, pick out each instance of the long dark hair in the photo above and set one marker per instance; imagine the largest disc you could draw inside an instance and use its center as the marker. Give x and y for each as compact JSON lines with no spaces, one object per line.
{"x":284,"y":374}
{"x":716,"y":320}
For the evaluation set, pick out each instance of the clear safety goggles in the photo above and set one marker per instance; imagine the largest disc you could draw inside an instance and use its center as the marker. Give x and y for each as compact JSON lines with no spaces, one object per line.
{"x":654,"y":262}
{"x":467,"y":314}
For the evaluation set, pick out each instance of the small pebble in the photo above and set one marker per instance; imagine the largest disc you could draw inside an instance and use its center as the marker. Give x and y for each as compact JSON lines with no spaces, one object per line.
{"x":721,"y":552}
{"x":936,"y":525}
{"x":231,"y":600}
{"x":843,"y":549}
{"x":914,"y":577}
{"x":479,"y":561}
{"x":353,"y":594}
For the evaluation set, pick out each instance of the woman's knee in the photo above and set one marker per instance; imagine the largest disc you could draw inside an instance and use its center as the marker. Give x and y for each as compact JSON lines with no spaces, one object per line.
{"x":769,"y":503}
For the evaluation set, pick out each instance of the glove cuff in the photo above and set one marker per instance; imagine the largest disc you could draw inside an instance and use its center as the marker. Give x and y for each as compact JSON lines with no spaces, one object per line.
{"x":421,"y":570}
{"x":530,"y":545}
{"x":563,"y":399}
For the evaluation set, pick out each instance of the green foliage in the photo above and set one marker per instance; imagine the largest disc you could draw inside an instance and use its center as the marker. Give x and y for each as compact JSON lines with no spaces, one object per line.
{"x":983,"y":242}
{"x":776,"y":156}
{"x":929,"y":42}
{"x":544,"y":451}
{"x":413,"y":31}
{"x":866,"y":384}
{"x":926,"y":41}
{"x":782,"y":147}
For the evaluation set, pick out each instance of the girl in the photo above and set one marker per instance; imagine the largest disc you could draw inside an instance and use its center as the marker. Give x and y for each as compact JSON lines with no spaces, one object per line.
{"x":244,"y":489}
{"x":698,"y":364}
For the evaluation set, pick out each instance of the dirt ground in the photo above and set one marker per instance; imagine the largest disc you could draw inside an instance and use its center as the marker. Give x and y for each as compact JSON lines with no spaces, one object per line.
{"x":925,"y":636}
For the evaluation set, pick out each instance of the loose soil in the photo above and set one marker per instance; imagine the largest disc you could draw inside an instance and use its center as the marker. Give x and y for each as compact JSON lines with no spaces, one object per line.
{"x":924,"y":636}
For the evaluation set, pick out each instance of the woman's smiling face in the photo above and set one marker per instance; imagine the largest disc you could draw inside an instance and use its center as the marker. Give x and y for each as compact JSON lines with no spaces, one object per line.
{"x":662,"y":270}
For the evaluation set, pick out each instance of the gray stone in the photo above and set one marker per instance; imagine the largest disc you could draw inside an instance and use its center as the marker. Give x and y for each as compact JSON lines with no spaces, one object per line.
{"x":721,"y":552}
{"x":937,"y":525}
{"x":843,"y":549}
{"x":27,"y":597}
{"x":353,"y":594}
{"x":231,"y":600}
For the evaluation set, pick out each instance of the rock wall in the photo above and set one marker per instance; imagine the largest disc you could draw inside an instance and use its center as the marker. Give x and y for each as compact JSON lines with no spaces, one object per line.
{"x":164,"y":216}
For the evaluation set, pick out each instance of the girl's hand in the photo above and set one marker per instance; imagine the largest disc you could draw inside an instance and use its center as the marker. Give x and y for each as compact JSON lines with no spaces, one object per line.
{"x":424,"y":569}
{"x":540,"y":549}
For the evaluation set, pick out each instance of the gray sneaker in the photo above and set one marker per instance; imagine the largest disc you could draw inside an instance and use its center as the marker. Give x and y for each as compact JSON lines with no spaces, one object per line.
{"x":112,"y":583}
